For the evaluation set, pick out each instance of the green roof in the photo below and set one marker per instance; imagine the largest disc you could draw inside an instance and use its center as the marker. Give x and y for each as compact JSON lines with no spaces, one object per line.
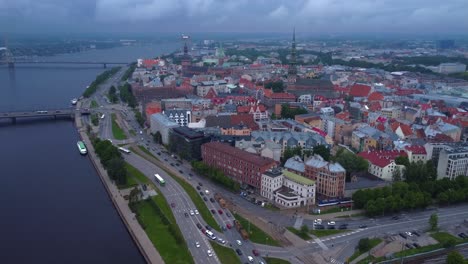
{"x":297,"y":178}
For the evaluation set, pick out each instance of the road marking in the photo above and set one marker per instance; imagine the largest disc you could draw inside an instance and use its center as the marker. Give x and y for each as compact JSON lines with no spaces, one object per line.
{"x":320,"y":243}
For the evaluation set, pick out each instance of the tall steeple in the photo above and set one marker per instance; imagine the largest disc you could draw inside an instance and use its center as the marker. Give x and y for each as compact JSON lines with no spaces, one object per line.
{"x":292,"y":71}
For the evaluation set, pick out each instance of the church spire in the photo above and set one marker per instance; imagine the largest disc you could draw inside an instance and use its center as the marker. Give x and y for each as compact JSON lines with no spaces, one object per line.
{"x":292,"y":71}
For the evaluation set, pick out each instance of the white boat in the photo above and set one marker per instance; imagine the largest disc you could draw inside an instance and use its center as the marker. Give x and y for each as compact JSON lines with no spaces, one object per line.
{"x":74,"y":101}
{"x":82,"y":147}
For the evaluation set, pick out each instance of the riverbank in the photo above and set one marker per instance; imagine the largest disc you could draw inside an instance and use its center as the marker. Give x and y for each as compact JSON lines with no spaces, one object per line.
{"x":137,"y":233}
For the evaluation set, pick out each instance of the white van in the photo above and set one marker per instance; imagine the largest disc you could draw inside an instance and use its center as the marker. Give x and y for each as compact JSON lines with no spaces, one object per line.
{"x":103,"y":115}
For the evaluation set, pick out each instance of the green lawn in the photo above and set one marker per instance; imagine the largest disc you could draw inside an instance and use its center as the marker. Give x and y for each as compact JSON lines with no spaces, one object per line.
{"x":225,"y":254}
{"x":94,"y":104}
{"x":327,"y":232}
{"x":137,"y":174}
{"x":276,"y":261}
{"x":256,"y":235}
{"x":413,"y":251}
{"x":298,"y":233}
{"x":332,"y":210}
{"x":443,"y":237}
{"x":117,"y":132}
{"x":161,"y":236}
{"x":373,"y":242}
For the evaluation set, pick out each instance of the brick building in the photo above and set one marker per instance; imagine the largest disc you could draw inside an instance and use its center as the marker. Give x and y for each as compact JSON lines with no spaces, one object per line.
{"x":329,"y":177}
{"x":240,"y":165}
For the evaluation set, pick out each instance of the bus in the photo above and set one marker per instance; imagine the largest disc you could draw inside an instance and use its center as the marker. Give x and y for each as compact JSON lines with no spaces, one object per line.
{"x":159,"y":179}
{"x":124,"y":150}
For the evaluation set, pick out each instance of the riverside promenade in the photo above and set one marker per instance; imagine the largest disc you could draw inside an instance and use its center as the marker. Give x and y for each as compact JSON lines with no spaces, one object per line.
{"x":142,"y":240}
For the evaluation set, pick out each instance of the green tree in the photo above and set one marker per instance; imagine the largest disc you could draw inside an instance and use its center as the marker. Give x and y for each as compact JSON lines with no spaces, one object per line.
{"x":304,"y":230}
{"x":455,"y":258}
{"x":323,"y":151}
{"x":351,"y":162}
{"x":433,"y":221}
{"x":402,"y":160}
{"x":288,"y":112}
{"x":396,"y":175}
{"x":364,"y":245}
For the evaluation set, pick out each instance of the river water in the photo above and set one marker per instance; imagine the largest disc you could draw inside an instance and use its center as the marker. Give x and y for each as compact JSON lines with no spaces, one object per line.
{"x":53,"y":206}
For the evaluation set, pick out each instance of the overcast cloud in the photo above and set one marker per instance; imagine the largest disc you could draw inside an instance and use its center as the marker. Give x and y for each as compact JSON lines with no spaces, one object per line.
{"x":314,"y":16}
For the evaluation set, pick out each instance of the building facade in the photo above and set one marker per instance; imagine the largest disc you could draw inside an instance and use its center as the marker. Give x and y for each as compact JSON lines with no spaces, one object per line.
{"x":453,"y":162}
{"x":329,"y":177}
{"x":244,"y":167}
{"x":162,"y":124}
{"x":186,"y":142}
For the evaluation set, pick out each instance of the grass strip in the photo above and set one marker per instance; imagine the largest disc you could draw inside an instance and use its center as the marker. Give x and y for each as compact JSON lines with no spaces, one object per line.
{"x":117,"y":131}
{"x":94,"y":104}
{"x":276,"y":261}
{"x":327,"y":232}
{"x":225,"y":255}
{"x":256,"y":235}
{"x":298,"y":233}
{"x":373,"y":242}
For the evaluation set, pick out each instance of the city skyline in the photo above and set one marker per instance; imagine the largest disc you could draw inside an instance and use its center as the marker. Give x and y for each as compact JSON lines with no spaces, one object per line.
{"x":277,"y":16}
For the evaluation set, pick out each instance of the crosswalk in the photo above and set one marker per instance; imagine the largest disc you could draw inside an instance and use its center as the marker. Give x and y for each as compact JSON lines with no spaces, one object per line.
{"x":332,"y":260}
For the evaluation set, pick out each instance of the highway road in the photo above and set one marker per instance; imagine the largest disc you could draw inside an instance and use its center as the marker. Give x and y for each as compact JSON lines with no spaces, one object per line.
{"x":175,"y":194}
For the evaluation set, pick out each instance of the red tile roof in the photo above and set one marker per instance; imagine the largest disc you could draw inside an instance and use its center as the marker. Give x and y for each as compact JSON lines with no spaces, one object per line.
{"x":382,"y":158}
{"x":360,"y":90}
{"x":416,"y":149}
{"x":375,"y":96}
{"x":406,"y":129}
{"x":240,"y":154}
{"x":245,"y":119}
{"x":281,"y":96}
{"x":343,"y":116}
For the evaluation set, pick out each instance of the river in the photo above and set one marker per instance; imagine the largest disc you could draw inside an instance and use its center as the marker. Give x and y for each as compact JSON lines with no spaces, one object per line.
{"x":54,"y":208}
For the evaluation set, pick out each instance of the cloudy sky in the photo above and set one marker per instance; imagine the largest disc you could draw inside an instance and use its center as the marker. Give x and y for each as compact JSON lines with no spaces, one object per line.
{"x":311,"y":16}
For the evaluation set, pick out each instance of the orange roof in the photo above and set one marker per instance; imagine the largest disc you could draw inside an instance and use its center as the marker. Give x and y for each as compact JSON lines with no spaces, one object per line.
{"x":360,"y":90}
{"x":375,"y":96}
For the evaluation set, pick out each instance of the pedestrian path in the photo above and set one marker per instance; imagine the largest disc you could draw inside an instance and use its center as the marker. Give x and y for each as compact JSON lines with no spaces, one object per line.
{"x":345,"y":234}
{"x":320,"y":243}
{"x":298,"y":223}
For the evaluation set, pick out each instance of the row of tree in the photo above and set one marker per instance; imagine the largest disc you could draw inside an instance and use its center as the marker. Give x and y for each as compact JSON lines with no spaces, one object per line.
{"x":126,"y":95}
{"x":277,"y":87}
{"x":112,"y":95}
{"x":215,"y":175}
{"x":111,"y":159}
{"x":288,"y":112}
{"x":128,"y":73}
{"x":403,"y":195}
{"x":101,"y":78}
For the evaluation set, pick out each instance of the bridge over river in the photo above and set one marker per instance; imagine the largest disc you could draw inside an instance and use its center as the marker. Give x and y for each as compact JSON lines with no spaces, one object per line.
{"x":54,"y":113}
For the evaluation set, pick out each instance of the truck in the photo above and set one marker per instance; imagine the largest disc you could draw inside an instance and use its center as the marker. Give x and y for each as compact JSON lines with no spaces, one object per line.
{"x":220,"y":200}
{"x":241,"y":230}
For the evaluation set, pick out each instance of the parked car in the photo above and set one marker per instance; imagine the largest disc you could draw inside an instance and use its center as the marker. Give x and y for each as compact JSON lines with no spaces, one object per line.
{"x":213,"y":211}
{"x":228,"y":214}
{"x":205,"y":199}
{"x":201,"y":193}
{"x":220,"y":211}
{"x":201,"y":184}
{"x":198,"y":188}
{"x":239,"y":252}
{"x":362,"y":226}
{"x":208,"y":227}
{"x":196,"y":211}
{"x":255,"y":252}
{"x":331,"y":223}
{"x":228,"y":226}
{"x":212,"y":200}
{"x":343,"y":226}
{"x":199,"y":226}
{"x":403,"y":235}
{"x":317,"y":221}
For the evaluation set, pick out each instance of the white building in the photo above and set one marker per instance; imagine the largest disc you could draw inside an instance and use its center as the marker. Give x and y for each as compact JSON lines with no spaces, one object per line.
{"x":327,"y":111}
{"x":162,"y":124}
{"x":447,"y":68}
{"x":453,"y":162}
{"x":287,"y":189}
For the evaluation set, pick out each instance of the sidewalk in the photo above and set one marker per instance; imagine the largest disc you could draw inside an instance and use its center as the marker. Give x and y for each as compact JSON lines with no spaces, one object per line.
{"x":144,"y":244}
{"x":332,"y":215}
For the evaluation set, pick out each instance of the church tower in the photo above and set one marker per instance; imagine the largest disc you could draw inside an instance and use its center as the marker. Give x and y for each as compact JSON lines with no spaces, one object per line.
{"x":292,"y":71}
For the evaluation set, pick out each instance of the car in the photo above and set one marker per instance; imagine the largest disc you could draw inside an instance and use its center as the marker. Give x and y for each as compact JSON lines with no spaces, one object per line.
{"x":317,"y":221}
{"x":255,"y":252}
{"x":239,"y":242}
{"x":222,"y":241}
{"x":409,"y":234}
{"x":331,"y":223}
{"x":228,"y":214}
{"x":173,"y":205}
{"x":210,"y":254}
{"x":409,"y":246}
{"x":319,"y":227}
{"x":228,"y":226}
{"x":190,"y":174}
{"x":201,"y":184}
{"x":181,"y":172}
{"x":331,"y":227}
{"x":213,"y":211}
{"x":205,"y":199}
{"x":199,"y":226}
{"x":395,"y":217}
{"x":197,"y":244}
{"x":362,"y":226}
{"x":208,"y":227}
{"x":250,"y":258}
{"x":177,"y":164}
{"x":198,"y":188}
{"x":201,"y":193}
{"x":191,"y":212}
{"x":172,"y":164}
{"x":224,"y":228}
{"x":415,"y":233}
{"x":239,"y":252}
{"x":159,"y":153}
{"x":462,"y":235}
{"x":220,"y":212}
{"x":186,"y":215}
{"x":165,"y":159}
{"x":403,"y":235}
{"x":212,"y":200}
{"x":343,"y":226}
{"x":196,"y":211}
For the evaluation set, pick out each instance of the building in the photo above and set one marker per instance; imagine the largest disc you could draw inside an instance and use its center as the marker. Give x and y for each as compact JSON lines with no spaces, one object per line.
{"x":180,"y":116}
{"x":329,"y":177}
{"x":218,"y":86}
{"x":266,"y":149}
{"x":287,"y":189}
{"x":382,"y":163}
{"x":296,"y":165}
{"x":416,"y":153}
{"x":186,"y":142}
{"x":162,"y":124}
{"x":152,"y":108}
{"x":447,"y":68}
{"x":312,"y":87}
{"x":240,"y":165}
{"x":278,"y":98}
{"x":453,"y":162}
{"x":434,"y":149}
{"x":306,"y":140}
